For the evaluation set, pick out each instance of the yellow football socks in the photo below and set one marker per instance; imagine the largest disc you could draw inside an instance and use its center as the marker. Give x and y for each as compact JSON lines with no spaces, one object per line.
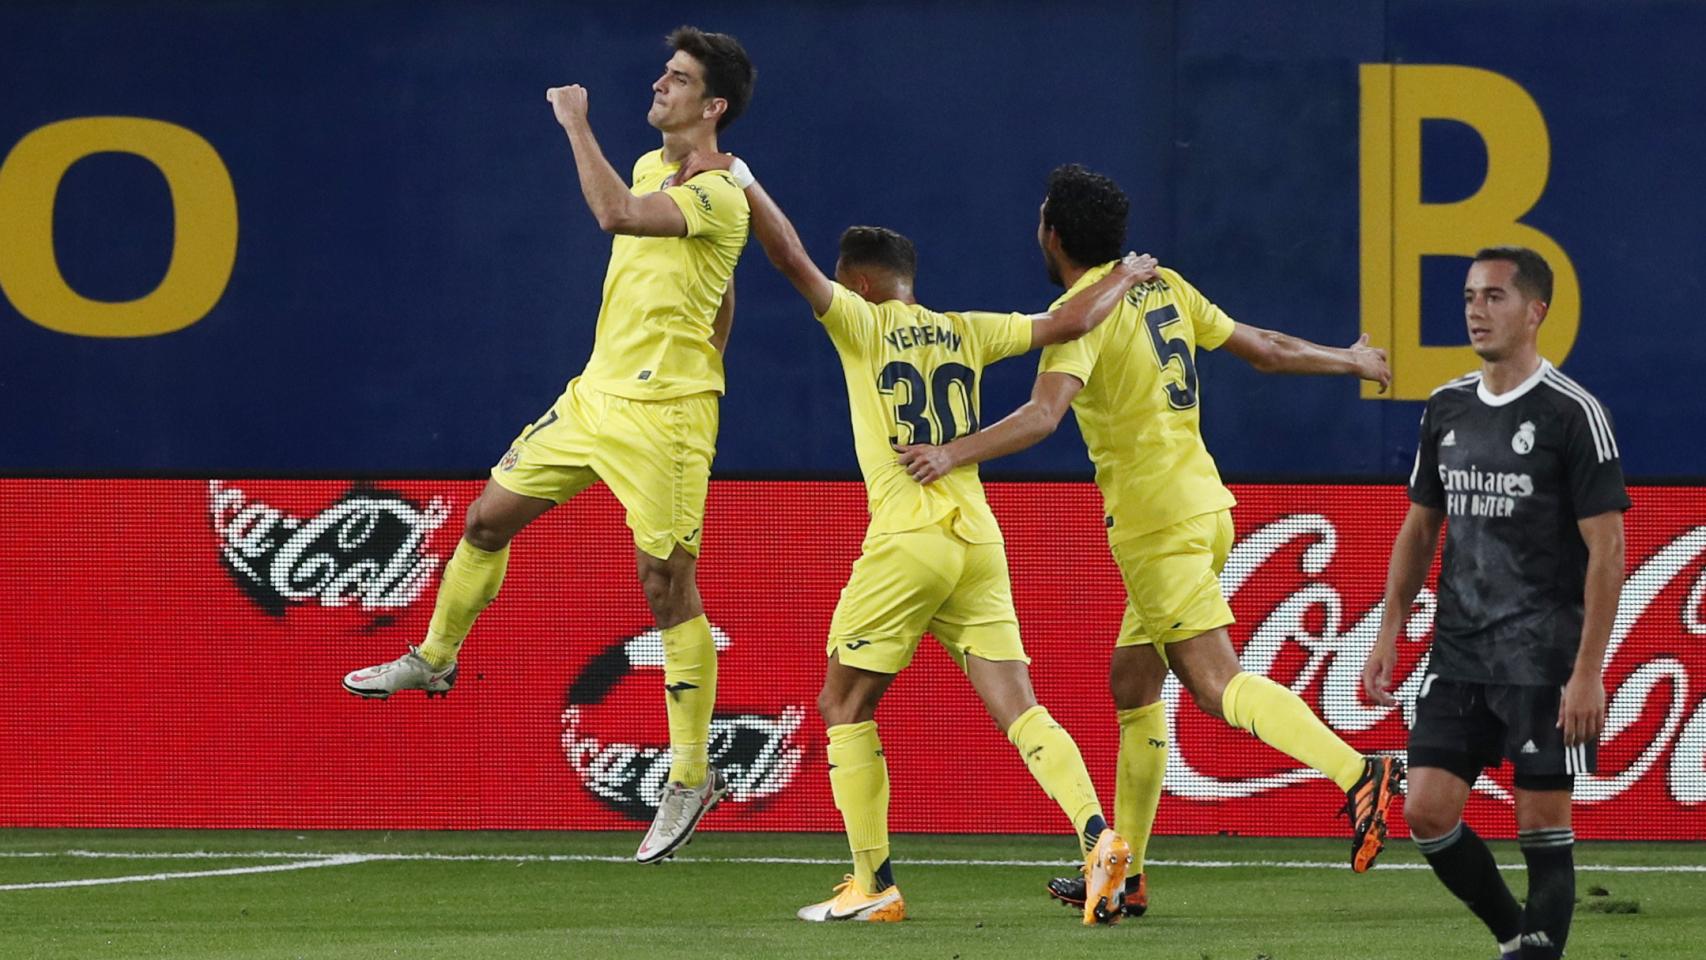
{"x":859,"y":778}
{"x":1280,"y":719}
{"x":690,"y":680}
{"x":1137,"y":784}
{"x":471,"y":580}
{"x":1058,"y":767}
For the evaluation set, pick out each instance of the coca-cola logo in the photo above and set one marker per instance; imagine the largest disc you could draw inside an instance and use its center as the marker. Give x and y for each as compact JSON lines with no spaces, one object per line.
{"x":367,"y":548}
{"x":755,"y":751}
{"x":1653,"y":694}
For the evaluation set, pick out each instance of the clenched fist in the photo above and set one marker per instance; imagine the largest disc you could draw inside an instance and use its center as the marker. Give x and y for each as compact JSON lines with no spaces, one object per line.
{"x":568,"y":103}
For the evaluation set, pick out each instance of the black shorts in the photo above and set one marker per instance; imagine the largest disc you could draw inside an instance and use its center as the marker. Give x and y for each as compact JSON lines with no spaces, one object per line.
{"x":1464,"y":728}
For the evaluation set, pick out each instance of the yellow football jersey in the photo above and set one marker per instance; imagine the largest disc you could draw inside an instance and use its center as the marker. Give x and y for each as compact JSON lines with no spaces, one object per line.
{"x":661,"y":294}
{"x":1138,"y":410}
{"x":914,"y":376}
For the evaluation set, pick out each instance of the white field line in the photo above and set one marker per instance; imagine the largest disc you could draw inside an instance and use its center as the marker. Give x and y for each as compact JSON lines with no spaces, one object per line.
{"x":337,"y":860}
{"x":306,"y":859}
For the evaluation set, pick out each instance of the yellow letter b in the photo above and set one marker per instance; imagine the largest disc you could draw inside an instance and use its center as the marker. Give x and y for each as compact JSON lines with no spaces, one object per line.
{"x":1398,"y":229}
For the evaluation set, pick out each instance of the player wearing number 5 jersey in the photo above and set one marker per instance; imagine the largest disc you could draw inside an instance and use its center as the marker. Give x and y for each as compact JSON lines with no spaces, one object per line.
{"x":1133,"y":385}
{"x":933,"y":559}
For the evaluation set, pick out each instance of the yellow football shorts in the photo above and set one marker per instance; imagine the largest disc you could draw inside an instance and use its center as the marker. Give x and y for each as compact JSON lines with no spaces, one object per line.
{"x":1172,"y":581}
{"x":654,"y":455}
{"x":925,"y":580}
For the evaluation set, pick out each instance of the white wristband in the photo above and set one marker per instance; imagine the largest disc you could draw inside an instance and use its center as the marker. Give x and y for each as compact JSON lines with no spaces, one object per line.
{"x":741,"y":173}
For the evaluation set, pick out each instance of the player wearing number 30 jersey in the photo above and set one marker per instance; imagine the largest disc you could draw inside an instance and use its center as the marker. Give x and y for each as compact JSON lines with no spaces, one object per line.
{"x":1134,"y":387}
{"x":933,"y":560}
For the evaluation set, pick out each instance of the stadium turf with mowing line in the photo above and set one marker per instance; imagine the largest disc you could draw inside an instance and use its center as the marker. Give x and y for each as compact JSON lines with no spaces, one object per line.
{"x":526,"y":895}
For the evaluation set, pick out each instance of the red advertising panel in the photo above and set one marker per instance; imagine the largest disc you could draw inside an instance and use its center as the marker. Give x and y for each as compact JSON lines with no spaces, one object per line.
{"x":174,"y":652}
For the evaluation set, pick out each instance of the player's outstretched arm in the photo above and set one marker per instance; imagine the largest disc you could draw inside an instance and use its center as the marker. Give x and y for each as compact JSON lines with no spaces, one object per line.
{"x":1051,"y":397}
{"x":1412,"y":555}
{"x":772,"y":228}
{"x":612,"y":203}
{"x":1084,"y":312}
{"x":787,"y":254}
{"x":1273,"y":352}
{"x":1581,"y":711}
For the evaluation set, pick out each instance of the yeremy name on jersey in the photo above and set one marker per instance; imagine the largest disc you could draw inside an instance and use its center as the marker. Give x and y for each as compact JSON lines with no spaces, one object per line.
{"x":905,"y":338}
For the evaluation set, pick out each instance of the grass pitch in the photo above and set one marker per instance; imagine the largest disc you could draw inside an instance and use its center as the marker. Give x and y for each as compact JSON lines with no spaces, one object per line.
{"x":281,"y":895}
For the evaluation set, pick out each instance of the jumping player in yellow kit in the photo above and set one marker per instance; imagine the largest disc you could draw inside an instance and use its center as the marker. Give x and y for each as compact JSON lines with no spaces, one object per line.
{"x":933,"y":559}
{"x":642,"y":416}
{"x":1133,"y":385}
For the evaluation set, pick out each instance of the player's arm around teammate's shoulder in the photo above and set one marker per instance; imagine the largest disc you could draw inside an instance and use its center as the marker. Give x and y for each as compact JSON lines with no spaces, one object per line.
{"x":1086,"y":311}
{"x":614,"y":205}
{"x":775,"y":232}
{"x":1051,"y":396}
{"x":1273,"y":352}
{"x":1052,"y":393}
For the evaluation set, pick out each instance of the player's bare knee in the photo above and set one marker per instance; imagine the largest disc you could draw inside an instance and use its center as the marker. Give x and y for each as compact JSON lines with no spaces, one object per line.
{"x":839,"y":707}
{"x":1207,"y":690}
{"x":1132,"y":688}
{"x":481,"y":532}
{"x":1210,"y":703}
{"x":1430,"y":817}
{"x":656,"y":584}
{"x":670,"y":588}
{"x":1005,"y":711}
{"x":1541,"y":809}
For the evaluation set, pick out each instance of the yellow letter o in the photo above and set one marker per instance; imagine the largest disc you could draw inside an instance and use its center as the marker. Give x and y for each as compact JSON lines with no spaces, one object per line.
{"x":204,"y":210}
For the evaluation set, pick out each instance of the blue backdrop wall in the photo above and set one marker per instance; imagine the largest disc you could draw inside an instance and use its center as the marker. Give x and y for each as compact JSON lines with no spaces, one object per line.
{"x":415,"y":274}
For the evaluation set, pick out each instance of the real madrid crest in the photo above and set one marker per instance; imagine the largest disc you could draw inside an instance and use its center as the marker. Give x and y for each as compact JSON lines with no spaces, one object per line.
{"x":1523,"y":442}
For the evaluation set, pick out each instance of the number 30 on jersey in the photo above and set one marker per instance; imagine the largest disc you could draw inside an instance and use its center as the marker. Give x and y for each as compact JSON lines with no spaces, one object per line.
{"x":936,"y":412}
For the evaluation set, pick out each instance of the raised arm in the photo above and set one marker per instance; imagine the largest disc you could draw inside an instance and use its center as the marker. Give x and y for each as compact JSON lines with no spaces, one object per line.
{"x":1051,"y":397}
{"x":1581,"y":712}
{"x":1412,"y":555}
{"x":1273,"y":352}
{"x":613,"y":204}
{"x":1092,"y":305}
{"x":782,"y":245}
{"x":774,"y":231}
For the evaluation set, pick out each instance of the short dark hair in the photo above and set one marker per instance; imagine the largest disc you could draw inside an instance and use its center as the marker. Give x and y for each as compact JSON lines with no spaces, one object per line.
{"x":728,"y":72}
{"x":879,"y":247}
{"x":1533,"y":274}
{"x":1088,"y":211}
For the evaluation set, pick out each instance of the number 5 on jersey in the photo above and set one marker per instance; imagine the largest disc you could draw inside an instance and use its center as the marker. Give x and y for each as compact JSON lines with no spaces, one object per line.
{"x":929,"y":413}
{"x":1180,"y":397}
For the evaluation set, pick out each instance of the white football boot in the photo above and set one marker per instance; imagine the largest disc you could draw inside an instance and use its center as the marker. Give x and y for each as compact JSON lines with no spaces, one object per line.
{"x":408,"y":672}
{"x":679,"y":811}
